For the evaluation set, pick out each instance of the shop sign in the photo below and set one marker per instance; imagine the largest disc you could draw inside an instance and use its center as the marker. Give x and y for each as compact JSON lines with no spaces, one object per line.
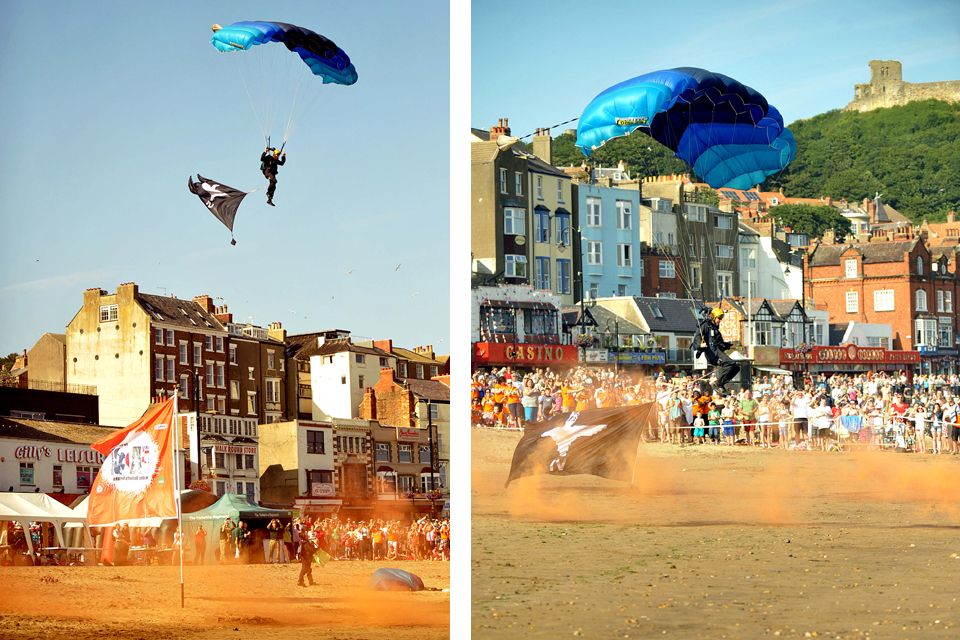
{"x":639,"y":357}
{"x":523,"y":354}
{"x":82,"y":456}
{"x":596,"y":355}
{"x":949,"y":351}
{"x":850,"y":354}
{"x":228,"y":448}
{"x":926,"y":350}
{"x":26,"y":476}
{"x":405,"y":434}
{"x":321,"y":490}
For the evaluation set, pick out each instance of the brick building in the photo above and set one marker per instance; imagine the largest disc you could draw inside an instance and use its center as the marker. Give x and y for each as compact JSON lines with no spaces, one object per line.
{"x":662,"y":274}
{"x":893,"y":280}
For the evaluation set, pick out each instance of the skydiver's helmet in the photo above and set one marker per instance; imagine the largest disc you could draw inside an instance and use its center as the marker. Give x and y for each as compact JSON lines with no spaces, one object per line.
{"x":716,"y":314}
{"x":276,"y":153}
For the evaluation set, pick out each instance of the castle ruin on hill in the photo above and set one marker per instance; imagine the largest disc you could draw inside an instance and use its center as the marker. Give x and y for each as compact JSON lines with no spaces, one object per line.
{"x":887,"y":89}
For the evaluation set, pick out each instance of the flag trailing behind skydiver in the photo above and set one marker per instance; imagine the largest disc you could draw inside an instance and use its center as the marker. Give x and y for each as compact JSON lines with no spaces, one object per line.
{"x":219,"y":198}
{"x":599,"y":442}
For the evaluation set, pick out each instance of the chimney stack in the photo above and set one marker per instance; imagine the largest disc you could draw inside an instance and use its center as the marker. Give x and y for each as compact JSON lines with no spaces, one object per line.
{"x":543,"y":145}
{"x":502,"y":129}
{"x":951,"y":217}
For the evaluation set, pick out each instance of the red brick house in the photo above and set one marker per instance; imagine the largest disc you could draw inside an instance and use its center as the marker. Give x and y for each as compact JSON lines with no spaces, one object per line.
{"x":894,"y":280}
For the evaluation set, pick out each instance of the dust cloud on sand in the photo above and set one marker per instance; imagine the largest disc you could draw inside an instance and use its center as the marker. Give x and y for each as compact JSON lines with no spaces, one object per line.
{"x":249,"y":601}
{"x":714,"y":541}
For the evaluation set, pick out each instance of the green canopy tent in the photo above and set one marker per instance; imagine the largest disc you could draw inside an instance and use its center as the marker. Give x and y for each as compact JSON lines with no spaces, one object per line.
{"x":231,"y":505}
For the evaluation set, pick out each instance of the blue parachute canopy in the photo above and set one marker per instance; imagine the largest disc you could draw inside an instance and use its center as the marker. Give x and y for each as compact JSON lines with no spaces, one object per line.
{"x":728,"y":132}
{"x":394,"y":580}
{"x":321,"y":54}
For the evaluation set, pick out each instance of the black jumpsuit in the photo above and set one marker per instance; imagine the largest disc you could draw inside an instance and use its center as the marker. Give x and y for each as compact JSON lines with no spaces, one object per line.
{"x":269,"y":166}
{"x":709,"y":334}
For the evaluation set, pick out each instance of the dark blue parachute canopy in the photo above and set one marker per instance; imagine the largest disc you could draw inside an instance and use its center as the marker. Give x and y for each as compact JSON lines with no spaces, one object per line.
{"x":394,"y":580}
{"x":725,"y":130}
{"x":321,"y":54}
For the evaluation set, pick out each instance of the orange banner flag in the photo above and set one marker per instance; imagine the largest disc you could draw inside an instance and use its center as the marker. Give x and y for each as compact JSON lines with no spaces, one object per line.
{"x":137,"y":478}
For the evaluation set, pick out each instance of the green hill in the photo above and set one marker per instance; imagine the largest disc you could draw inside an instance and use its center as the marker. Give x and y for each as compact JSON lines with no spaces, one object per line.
{"x":910,"y":154}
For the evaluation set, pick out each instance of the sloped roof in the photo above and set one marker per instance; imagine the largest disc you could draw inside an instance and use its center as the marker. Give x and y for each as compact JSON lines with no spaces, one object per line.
{"x":679,"y":315}
{"x":481,"y":133}
{"x":483,"y":152}
{"x":783,"y":308}
{"x":49,"y":431}
{"x":185,"y":313}
{"x":607,"y":320}
{"x":536,"y":164}
{"x":873,"y":252}
{"x":336,"y":345}
{"x":427,"y":389}
{"x":413,"y":356}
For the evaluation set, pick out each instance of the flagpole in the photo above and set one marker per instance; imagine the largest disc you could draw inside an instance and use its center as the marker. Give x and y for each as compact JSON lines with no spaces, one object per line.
{"x":176,"y":485}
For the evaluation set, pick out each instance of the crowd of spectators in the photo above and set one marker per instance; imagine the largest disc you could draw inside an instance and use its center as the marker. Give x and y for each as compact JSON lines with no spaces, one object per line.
{"x":817,"y":412}
{"x":378,"y":539}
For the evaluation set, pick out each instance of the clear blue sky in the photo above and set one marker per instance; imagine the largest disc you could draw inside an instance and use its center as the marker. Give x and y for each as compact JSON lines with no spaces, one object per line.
{"x":539,"y":64}
{"x":108,"y":107}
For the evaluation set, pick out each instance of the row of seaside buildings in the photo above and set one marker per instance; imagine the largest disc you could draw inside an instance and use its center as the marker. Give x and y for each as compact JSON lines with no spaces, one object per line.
{"x":629,"y":261}
{"x":315,"y":421}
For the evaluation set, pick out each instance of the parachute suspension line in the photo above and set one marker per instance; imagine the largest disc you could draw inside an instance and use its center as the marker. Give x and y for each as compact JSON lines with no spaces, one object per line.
{"x":253,"y":106}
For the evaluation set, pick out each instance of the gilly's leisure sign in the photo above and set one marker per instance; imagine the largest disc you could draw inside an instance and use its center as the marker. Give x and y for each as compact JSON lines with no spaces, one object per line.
{"x":508,"y":353}
{"x":850,"y":354}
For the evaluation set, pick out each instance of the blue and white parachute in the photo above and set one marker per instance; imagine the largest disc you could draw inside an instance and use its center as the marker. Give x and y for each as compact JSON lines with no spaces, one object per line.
{"x":727,"y":131}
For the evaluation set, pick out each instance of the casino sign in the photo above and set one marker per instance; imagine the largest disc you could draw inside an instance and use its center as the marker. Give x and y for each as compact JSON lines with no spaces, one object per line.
{"x":520,"y":354}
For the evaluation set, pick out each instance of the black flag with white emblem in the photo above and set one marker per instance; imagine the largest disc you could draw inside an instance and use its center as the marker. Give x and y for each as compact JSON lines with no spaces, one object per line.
{"x":219,"y":198}
{"x":599,"y":442}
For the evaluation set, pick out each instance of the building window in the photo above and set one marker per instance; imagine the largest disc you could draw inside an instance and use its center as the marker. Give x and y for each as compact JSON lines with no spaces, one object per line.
{"x":208,"y":341}
{"x":26,"y":473}
{"x":343,"y":379}
{"x":541,"y":226}
{"x":518,"y":183}
{"x":539,"y":187}
{"x":563,"y":276}
{"x":761,"y":334}
{"x":851,"y":267}
{"x":516,"y":266}
{"x":946,"y":332}
{"x":594,"y":253}
{"x":359,"y":358}
{"x":948,"y":301}
{"x":184,"y":382}
{"x":233,"y":354}
{"x":403,"y":369}
{"x":420,"y":371}
{"x":513,"y":222}
{"x":724,"y":284}
{"x":383,"y":452}
{"x":695,"y":275}
{"x":85,"y":476}
{"x":724,"y":251}
{"x":406,"y":453}
{"x":722,"y":222}
{"x":559,"y":190}
{"x":434,"y":411}
{"x":169,"y":337}
{"x":424,"y":454}
{"x":921,"y":300}
{"x":171,"y":365}
{"x":220,"y":379}
{"x":503,"y":180}
{"x":383,"y":362}
{"x":158,"y":368}
{"x":315,"y":442}
{"x":405,"y":483}
{"x":183,"y":353}
{"x":222,"y":404}
{"x":940,"y":301}
{"x":668,"y":269}
{"x":624,"y":255}
{"x":108,"y":313}
{"x":211,"y":403}
{"x":883,"y":300}
{"x":234,"y":389}
{"x":542,"y":273}
{"x":360,"y":381}
{"x":273,"y":390}
{"x":594,"y":290}
{"x":219,"y":344}
{"x":271,"y":361}
{"x":210,"y":378}
{"x":748,"y":257}
{"x":621,"y":289}
{"x":249,"y":373}
{"x":624,"y":220}
{"x":926,"y":332}
{"x":919,"y":266}
{"x":158,"y":336}
{"x":593,"y":212}
{"x":563,"y":229}
{"x":251,"y":403}
{"x":197,"y":354}
{"x":221,"y":460}
{"x":853,"y":302}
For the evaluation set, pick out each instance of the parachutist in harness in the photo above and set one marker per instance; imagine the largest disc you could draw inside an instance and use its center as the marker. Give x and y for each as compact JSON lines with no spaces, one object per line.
{"x":712,"y":345}
{"x":270,"y":161}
